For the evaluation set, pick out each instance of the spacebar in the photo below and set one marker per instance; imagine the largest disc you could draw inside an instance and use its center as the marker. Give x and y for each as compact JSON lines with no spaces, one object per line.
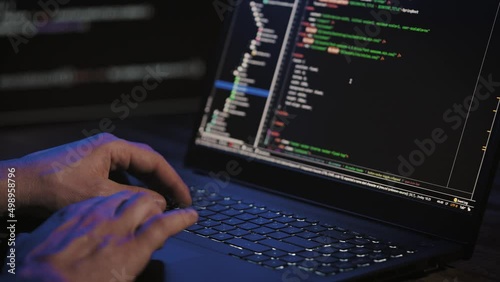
{"x":248,"y":245}
{"x":281,"y":246}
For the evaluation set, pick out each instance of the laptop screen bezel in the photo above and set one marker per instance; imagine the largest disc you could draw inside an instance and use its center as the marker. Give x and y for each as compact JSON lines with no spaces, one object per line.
{"x":390,"y":209}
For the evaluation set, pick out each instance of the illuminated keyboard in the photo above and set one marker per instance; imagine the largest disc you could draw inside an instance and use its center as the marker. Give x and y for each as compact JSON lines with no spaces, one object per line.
{"x":278,"y":239}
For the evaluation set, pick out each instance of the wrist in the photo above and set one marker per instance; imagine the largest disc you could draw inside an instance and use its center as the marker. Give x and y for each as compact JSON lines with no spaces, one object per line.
{"x":15,"y":185}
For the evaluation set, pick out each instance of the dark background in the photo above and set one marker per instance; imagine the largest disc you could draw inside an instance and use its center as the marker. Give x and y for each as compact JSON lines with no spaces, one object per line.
{"x":177,"y":32}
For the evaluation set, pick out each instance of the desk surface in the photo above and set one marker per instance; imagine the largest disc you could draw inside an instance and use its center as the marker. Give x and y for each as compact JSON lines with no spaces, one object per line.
{"x":170,"y":135}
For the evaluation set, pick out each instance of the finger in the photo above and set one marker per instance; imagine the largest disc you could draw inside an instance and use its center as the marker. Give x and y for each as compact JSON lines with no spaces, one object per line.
{"x":137,"y":210}
{"x":153,"y":234}
{"x":94,"y":226}
{"x":117,"y":187}
{"x":151,"y":167}
{"x":79,"y":208}
{"x":101,"y":211}
{"x":107,"y":206}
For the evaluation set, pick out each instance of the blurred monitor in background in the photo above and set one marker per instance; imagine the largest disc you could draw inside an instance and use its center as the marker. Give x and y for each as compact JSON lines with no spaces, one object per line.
{"x":64,"y":60}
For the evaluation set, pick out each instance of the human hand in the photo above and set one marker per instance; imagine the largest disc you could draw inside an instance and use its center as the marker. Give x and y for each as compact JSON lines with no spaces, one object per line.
{"x":60,"y":176}
{"x":98,"y":239}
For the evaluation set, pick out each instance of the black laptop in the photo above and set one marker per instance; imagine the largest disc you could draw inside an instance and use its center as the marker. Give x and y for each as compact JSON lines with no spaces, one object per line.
{"x":342,"y":140}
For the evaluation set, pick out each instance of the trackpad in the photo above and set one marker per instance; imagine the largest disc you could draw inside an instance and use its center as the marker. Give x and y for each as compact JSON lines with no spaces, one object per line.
{"x":181,"y":261}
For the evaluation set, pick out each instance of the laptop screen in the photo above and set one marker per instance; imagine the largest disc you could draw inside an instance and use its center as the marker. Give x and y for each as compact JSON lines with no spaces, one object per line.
{"x":392,"y":96}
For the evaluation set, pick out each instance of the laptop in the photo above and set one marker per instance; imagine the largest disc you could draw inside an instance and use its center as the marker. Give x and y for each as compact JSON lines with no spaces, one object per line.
{"x":341,"y":140}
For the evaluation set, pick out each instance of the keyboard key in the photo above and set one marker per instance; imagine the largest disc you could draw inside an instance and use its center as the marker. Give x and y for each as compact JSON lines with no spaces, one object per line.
{"x":292,"y":259}
{"x":299,"y":224}
{"x":337,"y":235}
{"x":326,"y":260}
{"x":315,"y":228}
{"x":209,"y":223}
{"x":284,"y":219}
{"x":394,"y":253}
{"x":361,"y":262}
{"x":261,"y":221}
{"x":254,"y":237}
{"x":309,"y":254}
{"x":239,"y":232}
{"x":378,"y":257}
{"x":327,"y":225}
{"x":326,"y":270}
{"x":245,"y":244}
{"x":307,"y":235}
{"x":327,"y":250}
{"x":276,"y":225}
{"x":233,"y":221}
{"x":255,"y":210}
{"x":205,"y":213}
{"x":325,"y":240}
{"x":343,"y":255}
{"x":309,"y":265}
{"x":312,"y":221}
{"x":376,"y":247}
{"x":231,"y":212}
{"x":360,"y":251}
{"x":221,"y":237}
{"x":274,"y":263}
{"x":342,"y":246}
{"x":218,"y":217}
{"x":195,"y":227}
{"x":344,"y":266}
{"x":227,"y":202}
{"x":340,"y":229}
{"x":206,"y":232}
{"x":248,"y":226}
{"x":359,"y":241}
{"x":214,"y":197}
{"x":241,"y":206}
{"x":241,"y":253}
{"x":246,"y":216}
{"x":263,"y":230}
{"x":275,"y":253}
{"x":257,"y":258}
{"x":299,"y":217}
{"x":278,"y":235}
{"x":217,"y":208}
{"x":269,"y":215}
{"x":289,"y":248}
{"x":291,"y":230}
{"x":302,"y":242}
{"x":224,"y":227}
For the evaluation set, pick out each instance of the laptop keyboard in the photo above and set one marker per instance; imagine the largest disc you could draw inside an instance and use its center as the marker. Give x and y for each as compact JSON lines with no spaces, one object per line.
{"x":278,"y":239}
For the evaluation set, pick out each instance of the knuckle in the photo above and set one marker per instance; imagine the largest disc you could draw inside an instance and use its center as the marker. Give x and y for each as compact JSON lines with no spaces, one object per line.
{"x":144,"y":146}
{"x":107,"y":136}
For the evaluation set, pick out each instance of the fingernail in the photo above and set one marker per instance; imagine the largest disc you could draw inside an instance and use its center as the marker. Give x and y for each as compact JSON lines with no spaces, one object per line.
{"x":193,"y":212}
{"x":160,"y":201}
